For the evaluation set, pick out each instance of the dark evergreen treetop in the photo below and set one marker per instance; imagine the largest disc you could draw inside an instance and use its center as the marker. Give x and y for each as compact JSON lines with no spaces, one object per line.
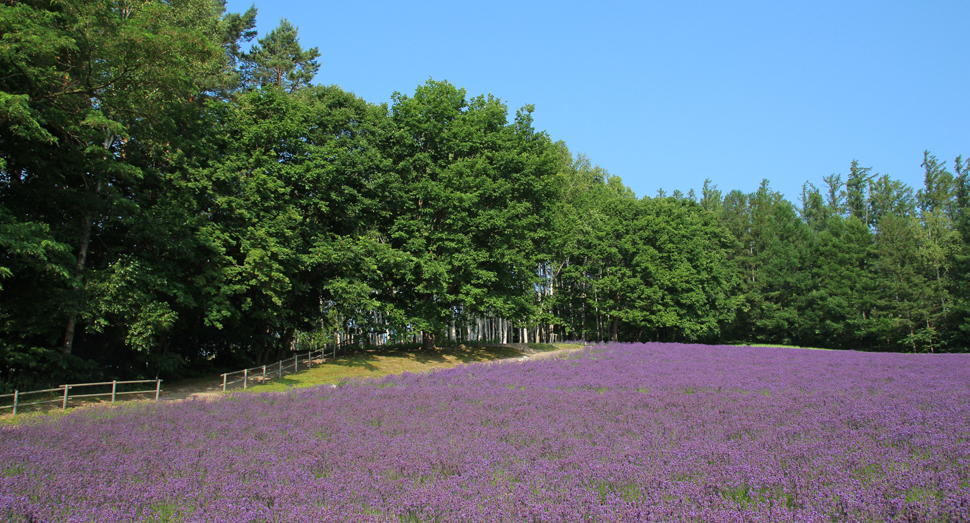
{"x":279,"y":60}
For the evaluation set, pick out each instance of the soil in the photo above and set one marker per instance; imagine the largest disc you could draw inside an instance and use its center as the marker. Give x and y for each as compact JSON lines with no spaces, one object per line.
{"x":197,"y":389}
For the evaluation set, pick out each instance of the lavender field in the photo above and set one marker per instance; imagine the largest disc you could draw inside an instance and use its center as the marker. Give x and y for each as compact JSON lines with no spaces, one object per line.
{"x":626,"y":432}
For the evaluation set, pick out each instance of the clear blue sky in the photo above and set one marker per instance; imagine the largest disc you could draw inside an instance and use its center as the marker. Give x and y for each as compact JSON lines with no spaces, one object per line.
{"x":666,"y":94}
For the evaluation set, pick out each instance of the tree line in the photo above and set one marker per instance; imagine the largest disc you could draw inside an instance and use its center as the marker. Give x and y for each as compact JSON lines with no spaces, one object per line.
{"x":172,"y":202}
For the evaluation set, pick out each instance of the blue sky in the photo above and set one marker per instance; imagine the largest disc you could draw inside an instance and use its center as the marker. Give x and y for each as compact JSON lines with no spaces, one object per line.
{"x":666,"y":94}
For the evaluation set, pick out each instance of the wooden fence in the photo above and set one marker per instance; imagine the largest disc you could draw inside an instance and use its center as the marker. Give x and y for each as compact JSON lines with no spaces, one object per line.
{"x":63,"y":394}
{"x":276,"y":370}
{"x":259,"y":374}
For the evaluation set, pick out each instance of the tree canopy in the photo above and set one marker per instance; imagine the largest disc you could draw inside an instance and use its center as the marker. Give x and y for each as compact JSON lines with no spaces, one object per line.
{"x":176,"y":198}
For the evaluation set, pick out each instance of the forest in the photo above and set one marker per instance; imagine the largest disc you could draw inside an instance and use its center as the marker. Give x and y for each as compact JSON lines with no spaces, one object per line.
{"x":177,"y":196}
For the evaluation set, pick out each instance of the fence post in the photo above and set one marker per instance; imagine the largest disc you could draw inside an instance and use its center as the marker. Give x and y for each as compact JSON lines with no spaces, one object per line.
{"x":158,"y":388}
{"x":245,"y":378}
{"x":281,"y":368}
{"x":264,"y":372}
{"x":66,"y":388}
{"x":223,"y":383}
{"x":309,"y":359}
{"x":16,"y":394}
{"x":114,"y":387}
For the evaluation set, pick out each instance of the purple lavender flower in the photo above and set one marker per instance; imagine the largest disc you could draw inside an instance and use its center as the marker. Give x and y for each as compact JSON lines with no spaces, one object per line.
{"x":621,"y":432}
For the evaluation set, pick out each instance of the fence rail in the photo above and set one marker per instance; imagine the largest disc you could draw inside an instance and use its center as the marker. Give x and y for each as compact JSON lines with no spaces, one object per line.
{"x":258,"y":374}
{"x":64,"y":393}
{"x":276,"y":370}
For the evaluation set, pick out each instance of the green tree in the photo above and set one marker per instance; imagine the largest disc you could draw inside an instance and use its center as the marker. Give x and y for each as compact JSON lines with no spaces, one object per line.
{"x":468,"y":193}
{"x":290,"y":211}
{"x":814,"y":212}
{"x":889,"y":197}
{"x":279,"y":60}
{"x":580,"y":184}
{"x":857,"y":191}
{"x":654,"y":268}
{"x":938,"y":186}
{"x":958,"y":283}
{"x":684,"y":286}
{"x":837,"y":307}
{"x":771,"y":254}
{"x":89,"y":94}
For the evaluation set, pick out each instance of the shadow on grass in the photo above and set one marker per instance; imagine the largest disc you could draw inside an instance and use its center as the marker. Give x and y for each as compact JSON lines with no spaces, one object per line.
{"x":474,"y":354}
{"x":284,"y":381}
{"x":364,"y":363}
{"x":366,"y":359}
{"x":357,"y":360}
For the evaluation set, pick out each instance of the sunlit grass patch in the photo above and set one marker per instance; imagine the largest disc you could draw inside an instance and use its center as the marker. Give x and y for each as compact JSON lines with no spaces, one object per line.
{"x":28,"y":418}
{"x":776,"y":346}
{"x":376,"y":364}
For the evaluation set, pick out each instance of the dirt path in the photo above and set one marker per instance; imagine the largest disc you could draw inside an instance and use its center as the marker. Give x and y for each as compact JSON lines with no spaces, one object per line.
{"x":529,"y":353}
{"x":208,"y":388}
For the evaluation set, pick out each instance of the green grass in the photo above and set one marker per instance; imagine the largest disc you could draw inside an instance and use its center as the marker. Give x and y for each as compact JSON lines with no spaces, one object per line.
{"x":376,"y":364}
{"x":362,"y":364}
{"x":51,"y":412}
{"x":775,"y":345}
{"x":545,"y":347}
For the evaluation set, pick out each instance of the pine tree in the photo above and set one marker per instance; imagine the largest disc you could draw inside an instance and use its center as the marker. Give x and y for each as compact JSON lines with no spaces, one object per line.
{"x":279,"y":60}
{"x":958,"y":334}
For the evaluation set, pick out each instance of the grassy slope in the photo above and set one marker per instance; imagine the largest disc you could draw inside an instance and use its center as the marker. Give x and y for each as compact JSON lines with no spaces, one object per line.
{"x":364,"y":364}
{"x":775,"y":345}
{"x":373,"y":364}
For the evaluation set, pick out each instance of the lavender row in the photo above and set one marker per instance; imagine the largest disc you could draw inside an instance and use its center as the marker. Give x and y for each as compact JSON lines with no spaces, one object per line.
{"x":626,"y":432}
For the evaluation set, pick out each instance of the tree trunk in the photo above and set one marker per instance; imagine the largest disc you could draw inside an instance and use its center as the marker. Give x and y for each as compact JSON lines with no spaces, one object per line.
{"x":288,"y":342}
{"x":82,"y":257}
{"x":267,"y":348}
{"x":387,"y":331}
{"x":428,"y":340}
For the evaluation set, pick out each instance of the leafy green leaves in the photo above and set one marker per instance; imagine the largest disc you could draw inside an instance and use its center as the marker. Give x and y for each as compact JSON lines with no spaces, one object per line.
{"x":468,"y":192}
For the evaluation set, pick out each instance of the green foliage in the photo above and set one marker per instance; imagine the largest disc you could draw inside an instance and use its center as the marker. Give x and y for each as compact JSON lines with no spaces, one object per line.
{"x":958,"y":283}
{"x":171,"y":203}
{"x":873,"y":269}
{"x":771,"y":255}
{"x":288,"y":205}
{"x":468,"y":191}
{"x":91,"y":94}
{"x":637,"y":269}
{"x":279,"y":61}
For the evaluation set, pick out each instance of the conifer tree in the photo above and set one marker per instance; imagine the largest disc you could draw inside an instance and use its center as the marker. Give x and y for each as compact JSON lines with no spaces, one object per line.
{"x":958,"y":334}
{"x":279,"y":60}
